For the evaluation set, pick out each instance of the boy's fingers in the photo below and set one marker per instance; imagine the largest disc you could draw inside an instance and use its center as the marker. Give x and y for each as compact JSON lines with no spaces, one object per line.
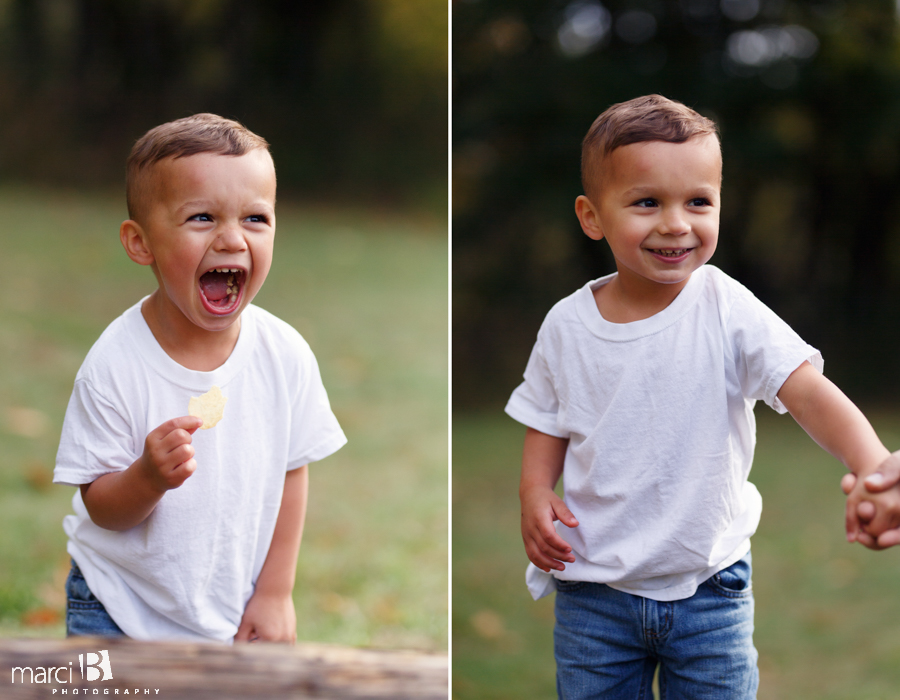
{"x":851,"y":522}
{"x":865,"y":511}
{"x":887,"y":476}
{"x":243,"y":633}
{"x":847,"y":483}
{"x":550,"y":538}
{"x":554,"y":553}
{"x":889,"y":538}
{"x":188,"y":468}
{"x":563,"y":514}
{"x":866,"y":540}
{"x":549,"y":543}
{"x":187,"y":423}
{"x":541,"y":560}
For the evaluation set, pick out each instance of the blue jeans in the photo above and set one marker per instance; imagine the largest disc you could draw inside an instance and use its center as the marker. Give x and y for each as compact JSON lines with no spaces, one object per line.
{"x":608,"y":643}
{"x":85,"y":615}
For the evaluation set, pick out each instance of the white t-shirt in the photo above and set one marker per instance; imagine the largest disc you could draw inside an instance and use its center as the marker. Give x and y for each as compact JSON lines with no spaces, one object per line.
{"x":659,"y":417}
{"x":189,"y":569}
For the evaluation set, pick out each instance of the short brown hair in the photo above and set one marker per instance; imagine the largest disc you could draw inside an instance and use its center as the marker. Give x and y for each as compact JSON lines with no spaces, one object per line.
{"x":647,"y":118}
{"x":201,"y":133}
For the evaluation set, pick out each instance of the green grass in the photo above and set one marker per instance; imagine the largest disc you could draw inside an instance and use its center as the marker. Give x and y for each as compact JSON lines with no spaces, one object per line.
{"x":827,"y":612}
{"x":367,"y":290}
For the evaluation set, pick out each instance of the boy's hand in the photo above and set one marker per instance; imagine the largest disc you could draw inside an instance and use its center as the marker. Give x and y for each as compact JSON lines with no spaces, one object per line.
{"x":268,"y":618}
{"x":123,"y":499}
{"x":168,"y":458}
{"x":545,"y":548}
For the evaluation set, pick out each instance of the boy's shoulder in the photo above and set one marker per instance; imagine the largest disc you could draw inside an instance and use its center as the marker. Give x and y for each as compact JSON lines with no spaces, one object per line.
{"x":727,"y":290}
{"x":275,"y":331}
{"x":568,"y":305}
{"x":116,"y":344}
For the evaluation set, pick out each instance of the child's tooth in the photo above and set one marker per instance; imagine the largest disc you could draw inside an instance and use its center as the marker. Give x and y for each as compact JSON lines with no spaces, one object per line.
{"x":232,"y":298}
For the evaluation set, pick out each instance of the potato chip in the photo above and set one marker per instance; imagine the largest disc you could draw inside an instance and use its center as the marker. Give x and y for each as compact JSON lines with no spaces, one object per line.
{"x":210,"y":407}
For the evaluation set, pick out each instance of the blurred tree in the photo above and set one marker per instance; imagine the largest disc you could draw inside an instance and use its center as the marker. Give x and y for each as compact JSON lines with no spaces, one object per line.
{"x":351,"y":93}
{"x":807,"y":96}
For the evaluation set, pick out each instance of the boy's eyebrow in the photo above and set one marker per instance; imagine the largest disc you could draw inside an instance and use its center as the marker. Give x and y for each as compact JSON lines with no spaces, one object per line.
{"x":645,"y":190}
{"x":206,"y":203}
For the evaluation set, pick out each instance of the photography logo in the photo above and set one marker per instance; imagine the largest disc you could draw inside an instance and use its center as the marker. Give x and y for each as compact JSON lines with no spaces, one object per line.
{"x":94,"y":666}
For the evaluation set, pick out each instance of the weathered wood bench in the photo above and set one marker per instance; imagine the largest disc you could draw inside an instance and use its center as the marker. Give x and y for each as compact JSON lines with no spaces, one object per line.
{"x":41,"y":669}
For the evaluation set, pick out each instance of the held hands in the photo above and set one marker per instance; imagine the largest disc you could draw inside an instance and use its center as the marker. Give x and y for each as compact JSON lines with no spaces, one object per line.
{"x":545,"y":548}
{"x":873,"y":506}
{"x":168,"y":458}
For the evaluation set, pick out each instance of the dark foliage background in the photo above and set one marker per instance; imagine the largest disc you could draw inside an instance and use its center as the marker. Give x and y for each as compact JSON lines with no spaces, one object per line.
{"x":352,"y":94}
{"x":807,"y":95}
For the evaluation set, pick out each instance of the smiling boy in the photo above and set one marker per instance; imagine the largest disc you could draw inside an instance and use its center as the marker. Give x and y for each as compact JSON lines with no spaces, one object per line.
{"x":179,"y":534}
{"x":640,"y":391}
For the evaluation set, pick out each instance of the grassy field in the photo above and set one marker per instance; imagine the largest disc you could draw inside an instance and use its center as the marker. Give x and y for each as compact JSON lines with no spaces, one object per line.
{"x":369,"y":293}
{"x":827,"y":613}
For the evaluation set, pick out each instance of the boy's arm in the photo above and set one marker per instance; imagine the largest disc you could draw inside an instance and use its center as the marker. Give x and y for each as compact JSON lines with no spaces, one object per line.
{"x":270,"y":614}
{"x":542,"y":465}
{"x":839,"y":427}
{"x":122,"y":500}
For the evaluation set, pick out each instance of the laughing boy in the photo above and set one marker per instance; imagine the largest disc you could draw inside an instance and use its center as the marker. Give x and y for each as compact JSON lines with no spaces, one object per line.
{"x":180,"y":533}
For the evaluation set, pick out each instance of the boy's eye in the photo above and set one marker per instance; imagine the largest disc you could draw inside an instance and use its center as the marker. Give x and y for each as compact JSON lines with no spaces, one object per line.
{"x":646,"y":203}
{"x":258,"y":219}
{"x":200,"y":217}
{"x":700,"y":202}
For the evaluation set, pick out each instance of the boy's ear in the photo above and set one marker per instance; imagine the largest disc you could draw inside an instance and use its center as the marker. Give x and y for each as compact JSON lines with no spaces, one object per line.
{"x":132,"y":236}
{"x":587,"y":217}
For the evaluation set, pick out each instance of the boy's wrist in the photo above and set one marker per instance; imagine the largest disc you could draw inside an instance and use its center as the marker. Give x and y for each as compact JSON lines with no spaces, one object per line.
{"x":146,"y":477}
{"x":274,"y":589}
{"x":528,"y":488}
{"x":868,"y":464}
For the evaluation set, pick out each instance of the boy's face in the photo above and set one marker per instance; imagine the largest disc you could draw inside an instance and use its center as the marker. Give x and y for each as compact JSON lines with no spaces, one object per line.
{"x":657,"y":205}
{"x":209,"y":212}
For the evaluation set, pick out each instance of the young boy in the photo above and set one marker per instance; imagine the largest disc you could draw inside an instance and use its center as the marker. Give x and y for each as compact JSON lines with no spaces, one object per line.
{"x":180,"y":533}
{"x":640,"y":389}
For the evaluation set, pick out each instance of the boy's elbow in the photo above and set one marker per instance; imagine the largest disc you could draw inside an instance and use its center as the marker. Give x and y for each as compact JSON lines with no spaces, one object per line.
{"x":101,"y":515}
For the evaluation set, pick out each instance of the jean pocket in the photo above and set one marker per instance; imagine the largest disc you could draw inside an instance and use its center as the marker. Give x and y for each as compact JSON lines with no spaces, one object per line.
{"x":77,"y":592}
{"x":736,"y":581}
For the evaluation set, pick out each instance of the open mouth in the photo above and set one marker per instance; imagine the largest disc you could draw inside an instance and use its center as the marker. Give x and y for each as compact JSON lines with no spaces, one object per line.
{"x":221,"y":289}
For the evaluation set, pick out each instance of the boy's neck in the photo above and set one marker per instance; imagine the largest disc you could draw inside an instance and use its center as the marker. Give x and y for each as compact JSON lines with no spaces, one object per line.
{"x":191,"y":347}
{"x":627,"y":297}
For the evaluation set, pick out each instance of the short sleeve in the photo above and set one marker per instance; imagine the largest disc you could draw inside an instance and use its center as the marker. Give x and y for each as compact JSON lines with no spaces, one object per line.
{"x":315,"y":431}
{"x":535,"y":402}
{"x":766,"y":349}
{"x":96,"y":438}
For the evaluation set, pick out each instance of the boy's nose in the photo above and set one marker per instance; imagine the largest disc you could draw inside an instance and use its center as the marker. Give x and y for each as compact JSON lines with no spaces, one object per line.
{"x":674,"y":223}
{"x":230,"y":238}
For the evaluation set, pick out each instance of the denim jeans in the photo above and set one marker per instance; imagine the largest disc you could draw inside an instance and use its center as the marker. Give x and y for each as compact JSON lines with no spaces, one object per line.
{"x":608,"y":643}
{"x":85,"y":615}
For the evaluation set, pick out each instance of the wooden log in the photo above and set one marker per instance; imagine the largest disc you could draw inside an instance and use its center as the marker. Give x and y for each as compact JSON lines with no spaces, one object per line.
{"x":41,"y":669}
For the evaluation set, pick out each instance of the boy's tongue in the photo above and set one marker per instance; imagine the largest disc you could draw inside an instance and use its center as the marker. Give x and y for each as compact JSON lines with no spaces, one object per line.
{"x":215,"y":285}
